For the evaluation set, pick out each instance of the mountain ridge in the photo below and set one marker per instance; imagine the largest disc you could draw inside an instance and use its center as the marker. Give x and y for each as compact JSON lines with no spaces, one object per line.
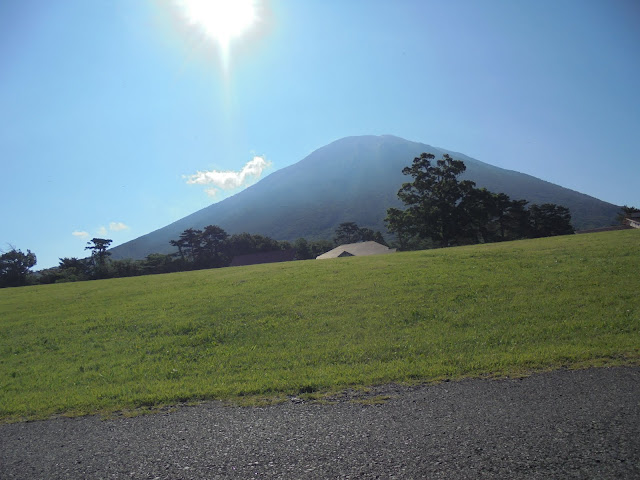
{"x":352,"y":179}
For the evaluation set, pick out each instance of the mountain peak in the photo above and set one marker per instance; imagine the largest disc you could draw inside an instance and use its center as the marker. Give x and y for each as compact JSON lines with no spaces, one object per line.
{"x":353,"y":179}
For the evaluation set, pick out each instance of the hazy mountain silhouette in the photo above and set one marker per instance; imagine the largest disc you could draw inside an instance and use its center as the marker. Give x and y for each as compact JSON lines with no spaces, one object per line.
{"x":352,"y":179}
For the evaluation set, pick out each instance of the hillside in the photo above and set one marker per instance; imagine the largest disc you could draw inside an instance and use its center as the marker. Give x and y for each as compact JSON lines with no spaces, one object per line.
{"x":311,"y":326}
{"x":352,"y":179}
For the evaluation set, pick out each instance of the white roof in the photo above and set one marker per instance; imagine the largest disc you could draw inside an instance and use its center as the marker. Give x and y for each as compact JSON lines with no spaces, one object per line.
{"x":357,"y":250}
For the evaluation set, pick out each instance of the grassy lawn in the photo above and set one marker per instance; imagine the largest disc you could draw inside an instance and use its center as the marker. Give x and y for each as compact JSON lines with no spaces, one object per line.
{"x":313,"y":326}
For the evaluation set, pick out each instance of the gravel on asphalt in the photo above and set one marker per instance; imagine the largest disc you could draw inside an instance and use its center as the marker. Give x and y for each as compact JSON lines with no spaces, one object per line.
{"x":560,"y":424}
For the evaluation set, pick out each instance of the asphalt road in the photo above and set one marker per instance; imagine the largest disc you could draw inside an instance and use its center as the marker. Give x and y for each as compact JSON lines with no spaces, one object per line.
{"x":563,"y":424}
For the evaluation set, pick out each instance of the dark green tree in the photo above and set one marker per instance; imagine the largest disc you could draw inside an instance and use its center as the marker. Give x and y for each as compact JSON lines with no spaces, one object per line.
{"x":494,"y":217}
{"x":517,"y":220}
{"x":98,"y":247}
{"x":303,"y":251}
{"x":347,"y":232}
{"x":74,"y":269}
{"x":399,"y":224}
{"x":158,"y":263}
{"x":191,"y":240}
{"x":501,"y":205}
{"x":447,"y":211}
{"x":368,"y":235}
{"x":549,"y":220}
{"x":180,"y":245}
{"x":213,"y":247}
{"x":213,"y":242}
{"x":434,"y":199}
{"x":306,"y":250}
{"x":318,"y":247}
{"x":15,"y":267}
{"x":625,"y":212}
{"x":49,"y":275}
{"x":350,"y":232}
{"x":477,"y":211}
{"x":126,"y":268}
{"x":377,"y":237}
{"x":245,"y":243}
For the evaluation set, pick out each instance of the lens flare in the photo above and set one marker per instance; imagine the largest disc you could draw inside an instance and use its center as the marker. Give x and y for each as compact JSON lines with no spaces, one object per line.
{"x":220,"y":20}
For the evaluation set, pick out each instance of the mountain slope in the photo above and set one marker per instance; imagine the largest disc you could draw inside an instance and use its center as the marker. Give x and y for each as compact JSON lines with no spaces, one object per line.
{"x":352,"y":179}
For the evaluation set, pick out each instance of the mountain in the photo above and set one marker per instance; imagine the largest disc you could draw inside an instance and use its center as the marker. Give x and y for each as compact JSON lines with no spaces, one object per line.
{"x":352,"y":179}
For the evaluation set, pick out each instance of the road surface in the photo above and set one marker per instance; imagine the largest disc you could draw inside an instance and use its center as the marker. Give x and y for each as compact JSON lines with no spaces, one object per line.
{"x":562,"y":424}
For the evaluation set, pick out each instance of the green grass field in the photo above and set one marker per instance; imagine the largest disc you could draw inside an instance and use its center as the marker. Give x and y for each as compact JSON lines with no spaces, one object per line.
{"x":267,"y":331}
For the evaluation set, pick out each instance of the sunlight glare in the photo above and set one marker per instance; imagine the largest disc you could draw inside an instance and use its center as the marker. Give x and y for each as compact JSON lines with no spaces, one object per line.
{"x":220,"y":20}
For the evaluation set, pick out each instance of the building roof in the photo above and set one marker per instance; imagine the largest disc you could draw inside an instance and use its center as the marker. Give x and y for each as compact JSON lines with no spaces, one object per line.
{"x":356,"y":250}
{"x":264,"y":257}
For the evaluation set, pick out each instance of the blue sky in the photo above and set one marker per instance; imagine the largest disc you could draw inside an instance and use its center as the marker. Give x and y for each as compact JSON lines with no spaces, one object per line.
{"x":114,"y":114}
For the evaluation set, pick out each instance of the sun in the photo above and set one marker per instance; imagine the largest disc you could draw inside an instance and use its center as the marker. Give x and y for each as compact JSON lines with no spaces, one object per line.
{"x":220,"y":20}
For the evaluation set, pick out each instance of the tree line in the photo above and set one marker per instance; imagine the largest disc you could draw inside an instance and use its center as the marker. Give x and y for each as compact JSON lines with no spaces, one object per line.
{"x":197,"y":249}
{"x":440,"y":211}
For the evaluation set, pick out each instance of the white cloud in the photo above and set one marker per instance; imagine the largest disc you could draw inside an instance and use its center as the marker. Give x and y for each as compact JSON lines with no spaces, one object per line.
{"x":212,"y":192}
{"x":227,"y":180}
{"x":102,"y":230}
{"x":117,"y":226}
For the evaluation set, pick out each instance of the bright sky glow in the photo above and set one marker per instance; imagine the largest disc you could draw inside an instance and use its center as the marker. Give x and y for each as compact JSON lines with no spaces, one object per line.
{"x":220,"y":20}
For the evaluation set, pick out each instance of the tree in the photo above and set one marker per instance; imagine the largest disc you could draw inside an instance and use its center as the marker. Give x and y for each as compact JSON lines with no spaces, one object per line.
{"x":517,"y":220}
{"x":434,"y":199}
{"x":501,"y":205}
{"x":180,"y":244}
{"x":398,"y":223}
{"x":126,"y":268}
{"x":15,"y":266}
{"x":190,"y":240}
{"x":303,"y":251}
{"x":350,"y":232}
{"x":495,"y":217}
{"x":245,"y":243}
{"x":377,"y":237}
{"x":549,"y":219}
{"x":213,"y":240}
{"x":306,"y":250}
{"x":98,"y":247}
{"x":447,"y":211}
{"x":477,"y":212}
{"x":318,"y":247}
{"x":213,"y":247}
{"x":368,"y":235}
{"x":74,"y":269}
{"x":626,"y":212}
{"x":158,"y":263}
{"x":99,"y":254}
{"x":347,"y":232}
{"x":49,"y":275}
